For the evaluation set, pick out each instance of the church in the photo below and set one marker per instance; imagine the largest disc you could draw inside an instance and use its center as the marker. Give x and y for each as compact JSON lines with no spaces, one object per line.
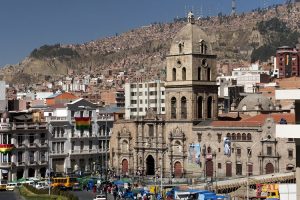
{"x":188,"y":141}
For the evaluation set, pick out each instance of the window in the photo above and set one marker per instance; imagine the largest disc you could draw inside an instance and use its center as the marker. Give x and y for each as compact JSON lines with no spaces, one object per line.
{"x":239,"y":169}
{"x":20,"y":140}
{"x":183,"y":74}
{"x":20,"y":156}
{"x":208,"y":73}
{"x":238,"y":152}
{"x":62,"y":147}
{"x":199,"y":73}
{"x":31,"y":139}
{"x":238,"y":136}
{"x":249,"y":138}
{"x":290,"y":139}
{"x":174,"y":74}
{"x":269,"y":151}
{"x":81,"y":145}
{"x":151,"y":130}
{"x":249,"y":152}
{"x":233,"y":136}
{"x":31,"y":156}
{"x":183,"y":108}
{"x":90,"y":144}
{"x":219,"y":166}
{"x":290,"y":153}
{"x":244,"y":136}
{"x":228,"y":136}
{"x":72,"y":113}
{"x":173,"y":108}
{"x":73,"y":146}
{"x":180,"y":47}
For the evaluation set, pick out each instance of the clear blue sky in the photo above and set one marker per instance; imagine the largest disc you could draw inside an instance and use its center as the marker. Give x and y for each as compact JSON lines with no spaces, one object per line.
{"x":28,"y":24}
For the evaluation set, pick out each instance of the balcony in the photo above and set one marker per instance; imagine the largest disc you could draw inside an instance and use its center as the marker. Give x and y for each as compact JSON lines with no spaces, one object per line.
{"x":55,"y":118}
{"x":28,"y":126}
{"x":59,"y":153}
{"x":7,"y":164}
{"x":87,"y":151}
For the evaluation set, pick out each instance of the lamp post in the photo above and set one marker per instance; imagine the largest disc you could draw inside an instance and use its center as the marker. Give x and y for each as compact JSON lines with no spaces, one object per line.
{"x":248,"y":155}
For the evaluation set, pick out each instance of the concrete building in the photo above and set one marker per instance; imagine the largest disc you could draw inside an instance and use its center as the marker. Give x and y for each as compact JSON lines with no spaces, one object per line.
{"x":27,"y":135}
{"x":189,"y":140}
{"x":76,"y":150}
{"x":287,"y":62}
{"x":139,"y":97}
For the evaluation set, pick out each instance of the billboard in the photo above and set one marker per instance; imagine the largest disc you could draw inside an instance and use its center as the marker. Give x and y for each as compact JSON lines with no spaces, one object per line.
{"x":227,"y":146}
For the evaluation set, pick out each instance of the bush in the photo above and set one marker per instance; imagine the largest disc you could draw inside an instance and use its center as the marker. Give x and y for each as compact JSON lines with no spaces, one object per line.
{"x":53,"y":191}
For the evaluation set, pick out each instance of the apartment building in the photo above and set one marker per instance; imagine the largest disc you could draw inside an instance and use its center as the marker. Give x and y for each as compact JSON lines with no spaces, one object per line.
{"x":75,"y":149}
{"x":24,"y":145}
{"x":139,"y":97}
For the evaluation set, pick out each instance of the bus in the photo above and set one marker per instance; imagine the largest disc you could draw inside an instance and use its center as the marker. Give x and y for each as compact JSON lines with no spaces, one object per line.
{"x":67,"y":182}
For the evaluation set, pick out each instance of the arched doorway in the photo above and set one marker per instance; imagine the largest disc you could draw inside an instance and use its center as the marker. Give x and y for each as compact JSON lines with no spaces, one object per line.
{"x":209,"y":107}
{"x":209,"y":168}
{"x":125,"y":166}
{"x":43,"y":172}
{"x":150,"y":166}
{"x":269,"y":168}
{"x":31,"y":172}
{"x":177,"y":170}
{"x":20,"y":173}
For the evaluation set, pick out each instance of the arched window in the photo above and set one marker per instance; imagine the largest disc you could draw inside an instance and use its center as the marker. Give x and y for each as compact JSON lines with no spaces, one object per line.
{"x":238,"y":136}
{"x":233,"y":136}
{"x":203,"y":47}
{"x":173,"y":108}
{"x":249,"y":137}
{"x":180,"y":47}
{"x":200,"y":109}
{"x":183,"y":74}
{"x":209,"y":107}
{"x":183,"y":108}
{"x":228,"y":136}
{"x":174,"y":74}
{"x":199,"y":73}
{"x":244,"y":137}
{"x":208,"y":73}
{"x":208,"y":150}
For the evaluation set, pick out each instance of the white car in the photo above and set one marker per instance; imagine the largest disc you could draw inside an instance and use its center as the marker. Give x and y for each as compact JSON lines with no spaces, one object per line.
{"x":11,"y":186}
{"x":41,"y":185}
{"x":100,"y":197}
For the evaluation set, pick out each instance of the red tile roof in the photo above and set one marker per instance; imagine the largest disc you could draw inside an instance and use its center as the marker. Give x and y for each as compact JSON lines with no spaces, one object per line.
{"x":257,"y":120}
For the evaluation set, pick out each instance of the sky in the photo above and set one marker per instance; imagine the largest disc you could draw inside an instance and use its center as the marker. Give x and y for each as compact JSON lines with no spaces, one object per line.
{"x":29,"y":24}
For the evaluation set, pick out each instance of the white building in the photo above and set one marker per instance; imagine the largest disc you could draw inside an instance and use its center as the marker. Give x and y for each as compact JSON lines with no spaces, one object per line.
{"x":139,"y":97}
{"x":76,"y":150}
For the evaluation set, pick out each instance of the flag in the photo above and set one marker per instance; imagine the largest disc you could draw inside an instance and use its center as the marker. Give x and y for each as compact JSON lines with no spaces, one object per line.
{"x":5,"y":148}
{"x":82,"y":122}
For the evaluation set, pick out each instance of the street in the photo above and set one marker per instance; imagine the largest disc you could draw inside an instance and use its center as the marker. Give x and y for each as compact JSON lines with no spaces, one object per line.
{"x":86,"y":195}
{"x":9,"y":195}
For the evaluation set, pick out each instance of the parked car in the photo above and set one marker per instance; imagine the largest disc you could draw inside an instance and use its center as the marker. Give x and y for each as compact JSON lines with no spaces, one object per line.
{"x":100,"y":197}
{"x":3,"y":184}
{"x":41,"y":185}
{"x":12,"y":186}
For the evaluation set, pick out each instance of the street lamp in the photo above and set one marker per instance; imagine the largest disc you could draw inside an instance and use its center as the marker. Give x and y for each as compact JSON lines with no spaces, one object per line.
{"x":248,"y":155}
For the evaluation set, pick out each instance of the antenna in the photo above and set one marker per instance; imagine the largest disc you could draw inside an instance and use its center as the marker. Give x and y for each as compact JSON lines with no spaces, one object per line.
{"x":233,"y":7}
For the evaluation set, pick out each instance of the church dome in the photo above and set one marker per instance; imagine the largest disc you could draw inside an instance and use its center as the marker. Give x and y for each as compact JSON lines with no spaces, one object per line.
{"x":255,"y":102}
{"x":191,"y":39}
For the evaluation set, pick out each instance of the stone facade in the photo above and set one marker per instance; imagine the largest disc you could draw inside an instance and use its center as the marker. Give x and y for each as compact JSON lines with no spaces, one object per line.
{"x":188,"y":140}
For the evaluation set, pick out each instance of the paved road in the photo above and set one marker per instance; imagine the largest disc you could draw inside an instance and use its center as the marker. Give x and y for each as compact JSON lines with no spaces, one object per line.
{"x":86,"y":195}
{"x":9,"y":195}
